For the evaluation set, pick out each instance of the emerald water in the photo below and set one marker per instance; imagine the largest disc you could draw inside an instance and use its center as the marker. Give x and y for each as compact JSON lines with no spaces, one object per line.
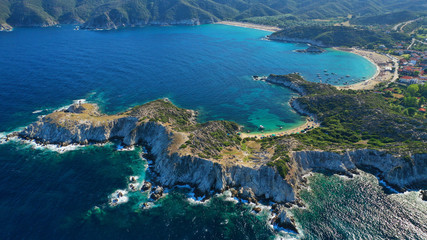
{"x":52,"y":195}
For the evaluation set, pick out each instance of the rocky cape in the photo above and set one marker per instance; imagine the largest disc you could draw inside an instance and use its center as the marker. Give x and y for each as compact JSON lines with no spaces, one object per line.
{"x":276,"y":37}
{"x":186,"y":152}
{"x":174,"y":167}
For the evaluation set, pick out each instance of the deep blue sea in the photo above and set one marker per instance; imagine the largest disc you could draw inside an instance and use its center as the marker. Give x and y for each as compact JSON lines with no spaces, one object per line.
{"x":45,"y":194}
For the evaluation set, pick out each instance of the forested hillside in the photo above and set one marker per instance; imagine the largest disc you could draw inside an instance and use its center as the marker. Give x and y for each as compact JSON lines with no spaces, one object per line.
{"x":340,"y":36}
{"x":119,"y":13}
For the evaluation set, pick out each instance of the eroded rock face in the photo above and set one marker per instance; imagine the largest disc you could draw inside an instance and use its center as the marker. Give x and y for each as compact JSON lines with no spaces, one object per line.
{"x":172,"y":168}
{"x":206,"y":174}
{"x":394,"y":170}
{"x":281,"y":218}
{"x":83,"y":132}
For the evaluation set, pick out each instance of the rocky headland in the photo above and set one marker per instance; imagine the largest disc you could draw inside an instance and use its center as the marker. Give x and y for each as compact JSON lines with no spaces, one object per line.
{"x":212,"y":156}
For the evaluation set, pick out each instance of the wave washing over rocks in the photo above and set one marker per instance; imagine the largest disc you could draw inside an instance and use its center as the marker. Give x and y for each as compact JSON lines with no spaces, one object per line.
{"x":82,"y":123}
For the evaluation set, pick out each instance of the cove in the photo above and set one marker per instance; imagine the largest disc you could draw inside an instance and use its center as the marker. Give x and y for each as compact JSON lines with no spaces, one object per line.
{"x":207,"y":68}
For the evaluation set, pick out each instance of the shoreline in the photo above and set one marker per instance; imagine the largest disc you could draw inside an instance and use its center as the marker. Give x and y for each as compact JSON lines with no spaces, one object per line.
{"x":380,"y":61}
{"x":250,"y":25}
{"x":295,"y":130}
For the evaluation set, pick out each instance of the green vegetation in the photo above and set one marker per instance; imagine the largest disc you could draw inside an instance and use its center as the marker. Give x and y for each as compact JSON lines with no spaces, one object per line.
{"x":341,"y":36}
{"x":387,"y":19}
{"x":407,"y":100}
{"x":164,"y":111}
{"x":351,"y":119}
{"x":210,"y":138}
{"x":421,"y":23}
{"x":309,"y":87}
{"x":281,"y":165}
{"x":364,"y":119}
{"x":117,"y":13}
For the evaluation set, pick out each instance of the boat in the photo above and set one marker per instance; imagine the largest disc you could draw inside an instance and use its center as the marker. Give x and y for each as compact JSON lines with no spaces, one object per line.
{"x":261,"y":126}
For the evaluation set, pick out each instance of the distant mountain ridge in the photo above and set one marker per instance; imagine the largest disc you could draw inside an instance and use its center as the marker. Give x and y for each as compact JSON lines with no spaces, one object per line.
{"x":111,"y":14}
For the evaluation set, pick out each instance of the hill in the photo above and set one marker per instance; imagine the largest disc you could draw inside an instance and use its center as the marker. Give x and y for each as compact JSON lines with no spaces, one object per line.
{"x":110,"y":14}
{"x":387,"y":19}
{"x":337,"y":36}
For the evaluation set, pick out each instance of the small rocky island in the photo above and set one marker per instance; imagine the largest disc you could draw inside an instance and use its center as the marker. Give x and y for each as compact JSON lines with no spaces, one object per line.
{"x":213,"y":156}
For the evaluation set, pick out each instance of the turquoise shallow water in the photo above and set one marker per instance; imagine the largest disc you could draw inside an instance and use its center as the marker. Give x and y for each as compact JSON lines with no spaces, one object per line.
{"x":207,"y":68}
{"x":49,"y":195}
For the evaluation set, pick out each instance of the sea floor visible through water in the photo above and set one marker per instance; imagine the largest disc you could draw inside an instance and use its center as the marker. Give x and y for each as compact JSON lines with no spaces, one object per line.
{"x":48,"y":194}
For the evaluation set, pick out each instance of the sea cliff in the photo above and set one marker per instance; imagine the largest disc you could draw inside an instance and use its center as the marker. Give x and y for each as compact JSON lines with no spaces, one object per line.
{"x":212,"y":157}
{"x":174,"y":164}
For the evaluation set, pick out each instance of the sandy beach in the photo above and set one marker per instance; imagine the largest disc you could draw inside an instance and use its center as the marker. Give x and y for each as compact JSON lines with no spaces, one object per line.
{"x":308,"y":123}
{"x":250,"y":25}
{"x":381,"y":62}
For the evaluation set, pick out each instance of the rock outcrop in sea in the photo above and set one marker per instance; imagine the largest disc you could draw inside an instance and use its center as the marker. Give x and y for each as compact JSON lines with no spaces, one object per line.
{"x":5,"y":27}
{"x":185,"y":152}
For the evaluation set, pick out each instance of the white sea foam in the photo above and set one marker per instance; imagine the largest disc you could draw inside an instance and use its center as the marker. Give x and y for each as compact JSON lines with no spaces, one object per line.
{"x":123,"y":148}
{"x":133,"y":186}
{"x":67,"y":106}
{"x":133,"y":177}
{"x":51,"y":147}
{"x":79,"y":101}
{"x":3,"y":137}
{"x":228,"y":196}
{"x":148,"y":205}
{"x":118,"y":197}
{"x":197,"y":200}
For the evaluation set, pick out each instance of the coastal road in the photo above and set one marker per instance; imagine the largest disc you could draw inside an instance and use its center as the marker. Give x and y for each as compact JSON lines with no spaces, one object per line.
{"x":401,"y":25}
{"x":413,"y":42}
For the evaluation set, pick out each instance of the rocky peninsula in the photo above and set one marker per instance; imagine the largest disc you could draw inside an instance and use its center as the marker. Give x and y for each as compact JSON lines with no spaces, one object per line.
{"x":213,"y":156}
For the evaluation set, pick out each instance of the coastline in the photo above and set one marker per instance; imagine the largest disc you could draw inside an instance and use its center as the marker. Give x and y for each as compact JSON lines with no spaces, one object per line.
{"x":381,"y":63}
{"x":293,"y":130}
{"x":250,"y":25}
